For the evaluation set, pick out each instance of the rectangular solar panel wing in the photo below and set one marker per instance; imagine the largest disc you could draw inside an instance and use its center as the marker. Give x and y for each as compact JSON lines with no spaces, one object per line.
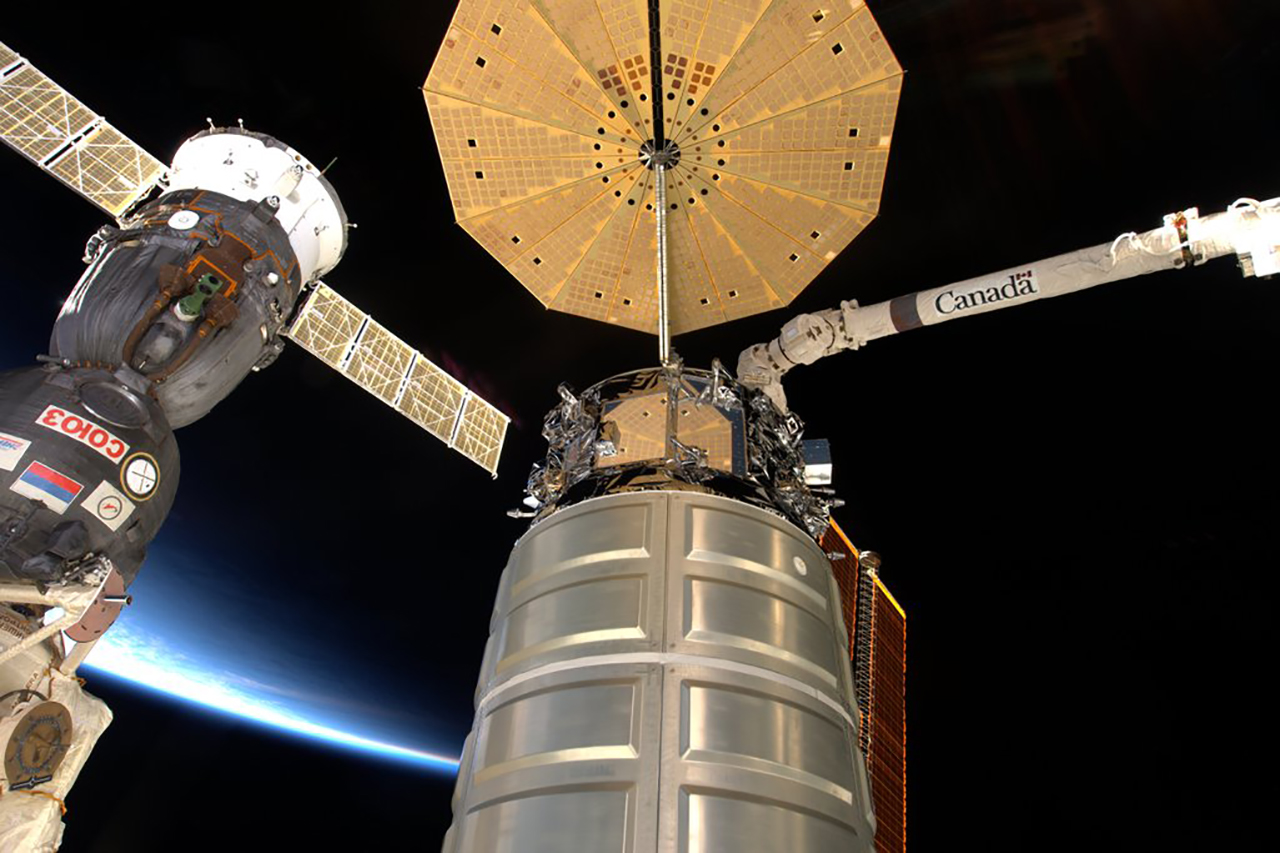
{"x":480,"y":433}
{"x":348,"y":340}
{"x":48,"y":126}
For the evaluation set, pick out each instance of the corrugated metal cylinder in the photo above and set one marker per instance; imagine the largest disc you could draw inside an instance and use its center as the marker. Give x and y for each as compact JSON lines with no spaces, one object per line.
{"x":666,"y":671}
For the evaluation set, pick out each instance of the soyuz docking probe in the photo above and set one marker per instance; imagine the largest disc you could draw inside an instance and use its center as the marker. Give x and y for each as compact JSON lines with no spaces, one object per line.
{"x":668,"y":662}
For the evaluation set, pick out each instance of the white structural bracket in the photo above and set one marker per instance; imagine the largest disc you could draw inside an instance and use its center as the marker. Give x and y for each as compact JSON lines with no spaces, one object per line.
{"x":1248,"y":229}
{"x":75,"y":599}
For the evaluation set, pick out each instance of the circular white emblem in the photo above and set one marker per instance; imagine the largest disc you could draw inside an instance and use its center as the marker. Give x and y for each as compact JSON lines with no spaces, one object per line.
{"x":801,"y":566}
{"x":184,"y":219}
{"x":140,"y":476}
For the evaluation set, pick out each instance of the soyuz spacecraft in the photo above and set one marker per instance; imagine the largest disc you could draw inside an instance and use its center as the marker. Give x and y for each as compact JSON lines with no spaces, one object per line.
{"x":668,"y":666}
{"x":212,"y":262}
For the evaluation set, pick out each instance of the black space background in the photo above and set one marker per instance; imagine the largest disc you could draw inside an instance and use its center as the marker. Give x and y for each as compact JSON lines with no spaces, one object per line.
{"x":1075,"y":500}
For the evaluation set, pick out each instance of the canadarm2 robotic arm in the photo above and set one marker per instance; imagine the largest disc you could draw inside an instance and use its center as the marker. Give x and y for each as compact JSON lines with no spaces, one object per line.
{"x":1248,"y":229}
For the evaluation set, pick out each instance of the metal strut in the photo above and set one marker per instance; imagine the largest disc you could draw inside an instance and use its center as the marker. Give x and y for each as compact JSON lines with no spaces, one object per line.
{"x":664,"y":313}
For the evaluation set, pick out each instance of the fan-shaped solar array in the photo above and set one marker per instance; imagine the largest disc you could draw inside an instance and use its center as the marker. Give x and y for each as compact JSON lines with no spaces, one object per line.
{"x":782,"y":111}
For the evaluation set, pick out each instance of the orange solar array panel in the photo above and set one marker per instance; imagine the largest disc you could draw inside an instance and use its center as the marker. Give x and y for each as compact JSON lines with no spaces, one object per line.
{"x":878,"y":650}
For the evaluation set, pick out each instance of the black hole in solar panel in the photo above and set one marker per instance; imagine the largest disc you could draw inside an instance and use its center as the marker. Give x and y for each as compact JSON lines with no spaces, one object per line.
{"x":853,"y":133}
{"x":515,"y":238}
{"x":733,"y":294}
{"x":848,"y":167}
{"x":814,"y":234}
{"x":626,"y":301}
{"x":715,"y":177}
{"x":704,"y":192}
{"x":689,"y":102}
{"x":818,"y":16}
{"x":600,"y":130}
{"x":720,"y":144}
{"x":617,"y":193}
{"x":716,"y":128}
{"x":480,"y":176}
{"x":599,"y":295}
{"x":706,"y":112}
{"x":605,"y":179}
{"x":599,"y":165}
{"x":480,"y":61}
{"x":643,"y":96}
{"x":612,"y":114}
{"x":631,"y":201}
{"x":496,"y":30}
{"x":648,"y":207}
{"x":537,"y":260}
{"x":671,"y":96}
{"x":471,"y":143}
{"x":720,"y":162}
{"x":675,"y":206}
{"x":794,"y":258}
{"x":705,"y":301}
{"x":837,"y":48}
{"x":693,"y":201}
{"x":624,"y":105}
{"x":597,"y":146}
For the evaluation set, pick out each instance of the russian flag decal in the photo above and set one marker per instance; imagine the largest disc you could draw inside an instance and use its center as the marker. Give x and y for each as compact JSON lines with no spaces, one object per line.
{"x":55,"y":490}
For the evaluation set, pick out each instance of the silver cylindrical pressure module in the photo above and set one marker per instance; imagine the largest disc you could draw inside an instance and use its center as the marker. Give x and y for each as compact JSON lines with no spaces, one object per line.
{"x":667,"y":667}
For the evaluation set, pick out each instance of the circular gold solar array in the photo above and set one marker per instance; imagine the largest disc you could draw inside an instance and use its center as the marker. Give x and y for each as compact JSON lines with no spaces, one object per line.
{"x":782,"y":111}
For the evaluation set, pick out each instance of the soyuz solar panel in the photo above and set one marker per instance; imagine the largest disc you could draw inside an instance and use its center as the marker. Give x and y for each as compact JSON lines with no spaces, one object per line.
{"x":342,"y":336}
{"x":44,"y":123}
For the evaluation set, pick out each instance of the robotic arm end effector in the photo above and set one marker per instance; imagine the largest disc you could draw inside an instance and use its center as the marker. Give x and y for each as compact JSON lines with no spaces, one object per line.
{"x":803,"y":340}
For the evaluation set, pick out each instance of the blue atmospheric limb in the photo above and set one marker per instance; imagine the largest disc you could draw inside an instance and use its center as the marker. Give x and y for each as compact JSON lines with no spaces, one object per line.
{"x":192,"y":635}
{"x":133,"y":654}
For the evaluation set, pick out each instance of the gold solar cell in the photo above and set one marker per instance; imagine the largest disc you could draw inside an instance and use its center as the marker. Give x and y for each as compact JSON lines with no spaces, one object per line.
{"x":580,"y":27}
{"x":799,"y":216}
{"x":786,"y":264}
{"x":8,"y":56}
{"x":480,"y":433}
{"x":515,"y":29}
{"x":108,"y":169}
{"x":783,"y":32}
{"x":326,"y":325}
{"x":432,"y":399}
{"x":466,"y":68}
{"x":509,"y":232}
{"x":591,"y":289}
{"x":783,"y":119}
{"x":379,"y":362}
